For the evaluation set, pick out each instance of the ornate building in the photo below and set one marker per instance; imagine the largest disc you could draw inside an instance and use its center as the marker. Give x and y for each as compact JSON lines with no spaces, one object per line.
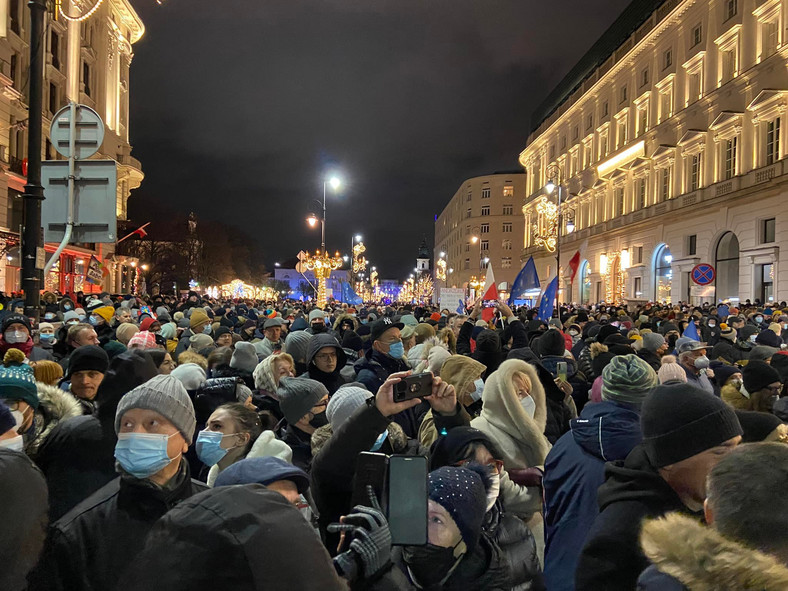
{"x":87,"y":60}
{"x":667,"y":142}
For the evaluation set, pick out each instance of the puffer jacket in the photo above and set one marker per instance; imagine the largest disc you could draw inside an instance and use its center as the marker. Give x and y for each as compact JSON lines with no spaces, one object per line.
{"x":54,"y":405}
{"x":518,"y":546}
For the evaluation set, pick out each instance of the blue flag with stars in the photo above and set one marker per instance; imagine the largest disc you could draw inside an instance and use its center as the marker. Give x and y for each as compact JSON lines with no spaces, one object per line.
{"x":349,"y":296}
{"x":691,"y":331}
{"x":526,"y":279}
{"x":547,"y":301}
{"x":461,"y":308}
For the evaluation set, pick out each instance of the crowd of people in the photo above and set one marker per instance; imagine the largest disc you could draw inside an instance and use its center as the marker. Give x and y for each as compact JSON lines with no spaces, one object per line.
{"x":192,"y":442}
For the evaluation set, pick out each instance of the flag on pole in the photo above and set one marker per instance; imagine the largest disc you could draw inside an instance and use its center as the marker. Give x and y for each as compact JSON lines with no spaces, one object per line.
{"x":140,"y":232}
{"x":490,"y":290}
{"x":526,"y":279}
{"x":547,"y":301}
{"x":691,"y":331}
{"x":461,"y":307}
{"x":574,"y":264}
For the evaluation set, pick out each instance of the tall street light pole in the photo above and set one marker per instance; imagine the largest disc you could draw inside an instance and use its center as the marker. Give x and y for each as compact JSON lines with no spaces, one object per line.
{"x":555,"y":179}
{"x":34,"y":192}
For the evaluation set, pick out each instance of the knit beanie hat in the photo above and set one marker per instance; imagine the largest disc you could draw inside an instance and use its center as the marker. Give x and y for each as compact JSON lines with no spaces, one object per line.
{"x":178,"y":316}
{"x":488,"y":341}
{"x":344,"y":403}
{"x":352,"y":341}
{"x":653,"y":341}
{"x":197,"y":318}
{"x":16,"y":319}
{"x":50,"y":326}
{"x":222,"y":330}
{"x":451,"y":448}
{"x":125,"y":331}
{"x":191,"y":375}
{"x":722,"y":373}
{"x":776,"y":328}
{"x":605,"y":331}
{"x":316,"y":314}
{"x":779,"y":362}
{"x":407,"y":332}
{"x":7,"y":420}
{"x":70,"y":315}
{"x":746,"y":331}
{"x":627,"y":378}
{"x":297,"y":396}
{"x":679,"y":421}
{"x":87,"y":358}
{"x":671,"y":371}
{"x":143,"y":340}
{"x":769,"y":338}
{"x":17,"y":381}
{"x":47,"y":372}
{"x":756,"y":426}
{"x":106,"y":312}
{"x":551,"y":343}
{"x":757,"y":375}
{"x":198,"y":342}
{"x":762,"y":353}
{"x":728,"y":333}
{"x":463,"y":493}
{"x":166,"y":396}
{"x":168,"y":330}
{"x":297,"y":345}
{"x":435,"y":359}
{"x":244,"y":357}
{"x":147,"y":322}
{"x":409,"y":320}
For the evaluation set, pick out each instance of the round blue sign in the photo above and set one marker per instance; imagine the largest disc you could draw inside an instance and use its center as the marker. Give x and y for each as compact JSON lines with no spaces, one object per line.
{"x":703,"y":274}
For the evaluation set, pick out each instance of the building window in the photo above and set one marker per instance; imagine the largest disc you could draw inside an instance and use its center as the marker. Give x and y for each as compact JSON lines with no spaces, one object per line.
{"x":619,"y":202}
{"x":605,"y":109}
{"x":485,"y":210}
{"x":506,"y":227}
{"x":694,"y":80}
{"x":638,"y":255}
{"x":730,"y":8}
{"x":563,"y":142}
{"x":508,"y":191}
{"x":666,"y":103}
{"x":485,"y":228}
{"x":14,"y":10}
{"x":602,"y":144}
{"x":730,"y":157}
{"x":52,"y":98}
{"x":587,"y":154}
{"x":574,"y":162}
{"x":623,"y":94}
{"x":767,"y":230}
{"x":667,"y":58}
{"x":728,"y":65}
{"x":506,"y":244}
{"x":644,"y":77}
{"x":590,"y":123}
{"x":86,"y":77}
{"x":467,"y":247}
{"x":485,"y":245}
{"x":485,"y":192}
{"x":575,"y":133}
{"x":695,"y":172}
{"x":773,"y":141}
{"x":664,"y":190}
{"x":468,"y":196}
{"x":638,"y":289}
{"x":507,"y":210}
{"x":552,"y":152}
{"x":692,"y":244}
{"x":467,"y":264}
{"x":642,"y":119}
{"x":468,"y":212}
{"x":622,"y":128}
{"x":770,"y":38}
{"x":54,"y":49}
{"x":506,"y":262}
{"x":641,"y":203}
{"x":697,"y":35}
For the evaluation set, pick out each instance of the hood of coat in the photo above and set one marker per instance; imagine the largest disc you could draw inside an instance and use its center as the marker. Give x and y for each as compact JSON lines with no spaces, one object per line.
{"x":238,"y":531}
{"x":325,"y":340}
{"x":704,"y":560}
{"x":607,"y":430}
{"x":345,"y":318}
{"x":396,"y":443}
{"x":54,"y":406}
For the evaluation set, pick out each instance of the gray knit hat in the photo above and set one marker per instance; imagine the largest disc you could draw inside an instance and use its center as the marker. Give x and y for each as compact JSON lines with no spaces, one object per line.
{"x":244,"y":357}
{"x":297,"y":396}
{"x":627,"y":378}
{"x":297,"y":345}
{"x":166,"y":396}
{"x":653,"y":341}
{"x":344,"y":403}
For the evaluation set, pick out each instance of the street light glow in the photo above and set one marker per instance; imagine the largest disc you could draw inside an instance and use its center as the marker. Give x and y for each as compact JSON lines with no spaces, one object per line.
{"x":443,"y":254}
{"x":358,"y":237}
{"x":474,"y":239}
{"x":312,"y":220}
{"x":334,"y":182}
{"x":550,"y":186}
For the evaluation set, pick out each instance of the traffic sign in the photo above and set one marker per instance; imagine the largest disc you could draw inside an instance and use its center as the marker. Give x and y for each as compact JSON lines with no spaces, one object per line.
{"x":703,"y":274}
{"x":89,"y":132}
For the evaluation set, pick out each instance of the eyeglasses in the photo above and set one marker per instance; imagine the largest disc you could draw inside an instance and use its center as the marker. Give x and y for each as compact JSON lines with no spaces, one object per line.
{"x":326,"y":356}
{"x":775,"y":388}
{"x":496,"y":465}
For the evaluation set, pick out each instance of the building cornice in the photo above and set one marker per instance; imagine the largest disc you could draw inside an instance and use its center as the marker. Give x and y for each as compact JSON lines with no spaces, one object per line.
{"x":130,"y":18}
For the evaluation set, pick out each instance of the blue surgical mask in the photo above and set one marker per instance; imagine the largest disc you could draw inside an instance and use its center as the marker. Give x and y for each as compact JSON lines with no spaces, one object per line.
{"x":397,"y":350}
{"x":207,"y":329}
{"x":46,"y":338}
{"x":758,"y":319}
{"x":66,"y":307}
{"x":49,"y":316}
{"x":209,"y":447}
{"x":477,"y":393}
{"x":93,"y":320}
{"x":142,"y":454}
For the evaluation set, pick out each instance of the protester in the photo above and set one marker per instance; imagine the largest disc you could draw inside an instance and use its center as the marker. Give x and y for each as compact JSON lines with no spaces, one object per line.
{"x":272,"y":329}
{"x":86,"y":368}
{"x":325,"y":360}
{"x":303,"y":403}
{"x":16,"y":333}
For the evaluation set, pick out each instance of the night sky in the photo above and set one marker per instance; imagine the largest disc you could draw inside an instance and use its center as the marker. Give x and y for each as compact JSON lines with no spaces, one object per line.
{"x":240,"y":107}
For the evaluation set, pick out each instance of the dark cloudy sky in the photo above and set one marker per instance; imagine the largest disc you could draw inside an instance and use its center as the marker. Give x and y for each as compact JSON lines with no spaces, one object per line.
{"x":239,"y":107}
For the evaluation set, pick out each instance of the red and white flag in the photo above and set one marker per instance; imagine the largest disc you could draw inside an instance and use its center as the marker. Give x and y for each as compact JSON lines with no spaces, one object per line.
{"x":490,"y":290}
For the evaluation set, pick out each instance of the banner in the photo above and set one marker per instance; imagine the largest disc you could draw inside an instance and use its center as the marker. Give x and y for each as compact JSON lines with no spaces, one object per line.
{"x":94,"y":273}
{"x":450,"y":297}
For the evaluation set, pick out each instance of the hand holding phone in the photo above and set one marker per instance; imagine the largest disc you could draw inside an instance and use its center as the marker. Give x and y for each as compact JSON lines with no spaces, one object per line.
{"x":384,"y":399}
{"x":413,"y":386}
{"x":561,"y":370}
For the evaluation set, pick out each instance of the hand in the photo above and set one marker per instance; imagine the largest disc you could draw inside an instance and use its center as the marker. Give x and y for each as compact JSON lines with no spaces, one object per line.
{"x":505,"y":310}
{"x":371,"y":544}
{"x":384,"y":399}
{"x":443,"y":399}
{"x":477,"y":308}
{"x":709,"y":373}
{"x":565,"y":387}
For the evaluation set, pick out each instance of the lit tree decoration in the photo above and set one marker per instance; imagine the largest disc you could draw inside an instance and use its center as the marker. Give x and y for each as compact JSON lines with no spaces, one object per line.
{"x":423,"y":289}
{"x":321,"y":264}
{"x":440,"y":271}
{"x":406,"y":292}
{"x":545,"y":229}
{"x":359,"y":261}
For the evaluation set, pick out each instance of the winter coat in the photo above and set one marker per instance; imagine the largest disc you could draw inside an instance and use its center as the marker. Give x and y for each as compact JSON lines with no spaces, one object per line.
{"x":518,"y":546}
{"x":730,"y":352}
{"x":699,"y":380}
{"x":491,"y":359}
{"x":733,"y":396}
{"x":611,"y":559}
{"x":300,"y":443}
{"x":54,"y":405}
{"x":266,"y":445}
{"x":574,"y":470}
{"x":91,"y":545}
{"x":240,"y":538}
{"x":332,"y":381}
{"x":651,"y":358}
{"x":701,"y":559}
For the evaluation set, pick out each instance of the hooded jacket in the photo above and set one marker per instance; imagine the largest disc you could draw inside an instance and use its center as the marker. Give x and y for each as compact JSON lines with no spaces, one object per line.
{"x":54,"y":405}
{"x":688,"y":555}
{"x":244,"y":538}
{"x":611,"y":559}
{"x":574,"y":471}
{"x":332,"y":381}
{"x":91,"y":545}
{"x":489,"y":350}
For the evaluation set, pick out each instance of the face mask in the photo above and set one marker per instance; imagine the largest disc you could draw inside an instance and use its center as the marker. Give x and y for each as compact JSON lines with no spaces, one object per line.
{"x":712,"y":324}
{"x":702,"y":362}
{"x":785,"y":326}
{"x":66,"y":307}
{"x":318,"y":327}
{"x":495,"y":489}
{"x":207,"y":329}
{"x":379,"y":441}
{"x":529,"y":405}
{"x":573,"y":333}
{"x":15,"y":336}
{"x":93,"y":320}
{"x":19,"y":417}
{"x":758,"y":319}
{"x":142,"y":454}
{"x":209,"y":447}
{"x":49,"y":316}
{"x":477,"y":393}
{"x":396,"y":350}
{"x":753,"y":337}
{"x":364,"y":321}
{"x":736,"y":384}
{"x":318,"y":420}
{"x":430,"y":565}
{"x":46,"y":338}
{"x":14,"y":444}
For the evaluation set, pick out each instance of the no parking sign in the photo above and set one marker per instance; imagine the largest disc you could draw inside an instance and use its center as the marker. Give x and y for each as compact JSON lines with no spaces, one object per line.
{"x":703,"y":274}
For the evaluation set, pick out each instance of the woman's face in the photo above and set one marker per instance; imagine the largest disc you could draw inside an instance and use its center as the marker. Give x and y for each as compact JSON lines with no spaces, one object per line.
{"x":442,"y":531}
{"x":522,"y":385}
{"x":283,"y":369}
{"x":167,"y":365}
{"x":222,"y":422}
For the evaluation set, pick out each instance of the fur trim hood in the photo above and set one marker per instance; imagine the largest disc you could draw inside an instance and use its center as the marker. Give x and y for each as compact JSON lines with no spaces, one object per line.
{"x":338,"y":321}
{"x":54,"y":405}
{"x":704,"y":560}
{"x":596,"y":348}
{"x":422,"y":364}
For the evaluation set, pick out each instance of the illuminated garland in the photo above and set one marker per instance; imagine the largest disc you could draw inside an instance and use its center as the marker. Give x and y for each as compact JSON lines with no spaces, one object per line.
{"x":79,"y":19}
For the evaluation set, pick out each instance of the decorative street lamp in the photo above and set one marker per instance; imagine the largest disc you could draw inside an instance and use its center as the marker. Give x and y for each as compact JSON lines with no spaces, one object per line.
{"x":321,"y":264}
{"x":312,"y":219}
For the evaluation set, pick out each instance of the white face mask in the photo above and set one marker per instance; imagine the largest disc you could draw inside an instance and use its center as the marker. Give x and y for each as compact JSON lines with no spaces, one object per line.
{"x":477,"y":393}
{"x":495,"y":489}
{"x":15,"y":336}
{"x":14,"y":444}
{"x":19,"y":417}
{"x":529,"y":405}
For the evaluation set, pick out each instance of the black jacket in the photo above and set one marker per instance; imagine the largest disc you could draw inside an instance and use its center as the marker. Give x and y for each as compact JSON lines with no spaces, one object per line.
{"x":491,"y":359}
{"x":301,"y":444}
{"x":517,"y":545}
{"x":651,"y":358}
{"x":611,"y":559}
{"x":90,"y":546}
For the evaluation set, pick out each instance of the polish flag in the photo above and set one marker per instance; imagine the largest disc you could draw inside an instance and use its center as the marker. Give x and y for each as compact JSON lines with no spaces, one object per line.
{"x":490,"y":290}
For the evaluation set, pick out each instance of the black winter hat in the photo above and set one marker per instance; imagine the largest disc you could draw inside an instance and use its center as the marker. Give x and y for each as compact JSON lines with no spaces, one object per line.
{"x":769,"y":338}
{"x":87,"y":358}
{"x":746,"y":331}
{"x":779,"y":362}
{"x":449,"y":449}
{"x":352,"y":341}
{"x":600,"y":362}
{"x":722,"y":373}
{"x":679,"y":421}
{"x":605,"y":331}
{"x":551,"y":343}
{"x":756,"y":426}
{"x":16,"y":319}
{"x":759,"y":374}
{"x":488,"y":341}
{"x":463,"y":493}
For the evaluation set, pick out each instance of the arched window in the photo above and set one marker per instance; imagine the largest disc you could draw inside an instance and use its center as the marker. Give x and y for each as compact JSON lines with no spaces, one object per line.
{"x":663,"y":274}
{"x":727,"y":266}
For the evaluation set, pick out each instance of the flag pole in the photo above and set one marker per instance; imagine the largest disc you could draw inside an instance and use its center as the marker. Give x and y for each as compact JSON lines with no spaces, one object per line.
{"x":134,"y":232}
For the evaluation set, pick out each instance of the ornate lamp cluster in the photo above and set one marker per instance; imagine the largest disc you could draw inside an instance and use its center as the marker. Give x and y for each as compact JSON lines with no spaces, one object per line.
{"x":545,"y":229}
{"x":321,"y":264}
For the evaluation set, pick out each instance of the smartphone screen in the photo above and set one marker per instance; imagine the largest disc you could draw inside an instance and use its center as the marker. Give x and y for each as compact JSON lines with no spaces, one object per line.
{"x":407,"y":500}
{"x":370,"y":470}
{"x":561,"y":370}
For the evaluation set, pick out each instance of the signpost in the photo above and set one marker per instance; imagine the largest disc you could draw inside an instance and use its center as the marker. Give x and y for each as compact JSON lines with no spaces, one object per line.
{"x":703,"y":274}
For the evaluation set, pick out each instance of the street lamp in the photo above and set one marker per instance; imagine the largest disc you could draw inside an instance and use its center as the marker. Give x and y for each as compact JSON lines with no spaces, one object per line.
{"x":554,"y":179}
{"x":312,"y":219}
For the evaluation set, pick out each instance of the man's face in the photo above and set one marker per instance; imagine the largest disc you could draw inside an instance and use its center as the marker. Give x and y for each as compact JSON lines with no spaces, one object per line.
{"x":16,"y":333}
{"x":326,"y":359}
{"x":46,"y":330}
{"x":124,"y":316}
{"x":87,"y":337}
{"x":286,"y":488}
{"x":225,"y":340}
{"x":273,"y":334}
{"x":388,"y":338}
{"x":142,"y":420}
{"x":456,"y":325}
{"x":688,"y":477}
{"x":84,"y":384}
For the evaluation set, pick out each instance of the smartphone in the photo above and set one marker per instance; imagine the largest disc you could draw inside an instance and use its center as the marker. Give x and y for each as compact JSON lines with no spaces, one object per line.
{"x":561,"y":370}
{"x":371,"y":470}
{"x":489,"y":303}
{"x":411,"y":387}
{"x":407,"y":500}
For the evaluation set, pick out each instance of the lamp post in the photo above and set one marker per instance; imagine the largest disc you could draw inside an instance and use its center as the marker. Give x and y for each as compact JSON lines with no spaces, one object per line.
{"x":555,"y":179}
{"x":312,"y":219}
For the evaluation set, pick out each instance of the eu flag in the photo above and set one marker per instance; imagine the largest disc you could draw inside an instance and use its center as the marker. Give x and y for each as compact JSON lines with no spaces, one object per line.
{"x":547,"y":303}
{"x":526,"y":279}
